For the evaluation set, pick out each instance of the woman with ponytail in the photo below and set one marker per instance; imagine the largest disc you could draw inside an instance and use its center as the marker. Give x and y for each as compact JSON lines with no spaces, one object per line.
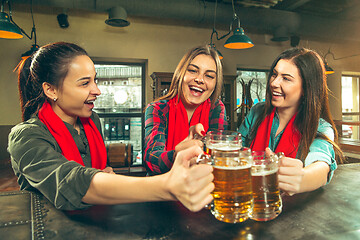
{"x":59,"y":150}
{"x":295,"y":119}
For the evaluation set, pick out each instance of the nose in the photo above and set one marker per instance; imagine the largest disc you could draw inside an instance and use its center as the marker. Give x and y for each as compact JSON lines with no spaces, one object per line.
{"x":199,"y":79}
{"x":95,"y":90}
{"x":275,"y":81}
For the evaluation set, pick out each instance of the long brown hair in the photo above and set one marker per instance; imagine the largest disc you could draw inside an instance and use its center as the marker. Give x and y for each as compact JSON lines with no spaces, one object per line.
{"x":181,"y":68}
{"x":314,"y":104}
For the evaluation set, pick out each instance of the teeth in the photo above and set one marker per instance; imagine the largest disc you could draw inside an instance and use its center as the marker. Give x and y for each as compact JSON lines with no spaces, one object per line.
{"x":277,"y":94}
{"x":91,"y":101}
{"x":197,"y":89}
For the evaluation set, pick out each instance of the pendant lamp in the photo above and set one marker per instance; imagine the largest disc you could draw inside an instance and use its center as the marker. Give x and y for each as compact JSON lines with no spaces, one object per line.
{"x":8,"y":29}
{"x":328,"y":69}
{"x":238,"y":40}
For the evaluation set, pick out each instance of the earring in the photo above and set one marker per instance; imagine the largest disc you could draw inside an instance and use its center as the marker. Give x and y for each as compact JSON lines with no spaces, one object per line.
{"x":55,"y":99}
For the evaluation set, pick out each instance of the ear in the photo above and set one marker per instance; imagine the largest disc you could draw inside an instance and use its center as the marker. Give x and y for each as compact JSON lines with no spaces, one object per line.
{"x":49,"y":90}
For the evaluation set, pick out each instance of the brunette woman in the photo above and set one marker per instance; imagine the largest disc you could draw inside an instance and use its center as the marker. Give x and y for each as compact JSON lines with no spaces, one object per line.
{"x":295,"y":119}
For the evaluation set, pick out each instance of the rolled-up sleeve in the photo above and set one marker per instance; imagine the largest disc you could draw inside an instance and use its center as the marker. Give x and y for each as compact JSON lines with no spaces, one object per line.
{"x":322,"y":150}
{"x":38,"y":163}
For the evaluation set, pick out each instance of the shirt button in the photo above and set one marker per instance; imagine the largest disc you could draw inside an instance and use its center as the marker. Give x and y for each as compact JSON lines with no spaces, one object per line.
{"x":82,"y":155}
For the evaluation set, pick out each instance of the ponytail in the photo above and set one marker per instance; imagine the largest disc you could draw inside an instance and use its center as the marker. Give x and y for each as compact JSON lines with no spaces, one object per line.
{"x":30,"y":92}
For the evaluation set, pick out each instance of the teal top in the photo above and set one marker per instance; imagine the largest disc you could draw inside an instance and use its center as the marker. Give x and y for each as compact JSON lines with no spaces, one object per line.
{"x":320,"y":149}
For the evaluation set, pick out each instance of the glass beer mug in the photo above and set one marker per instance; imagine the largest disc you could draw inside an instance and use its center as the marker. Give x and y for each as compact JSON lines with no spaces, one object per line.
{"x":233,"y":200}
{"x":265,"y":186}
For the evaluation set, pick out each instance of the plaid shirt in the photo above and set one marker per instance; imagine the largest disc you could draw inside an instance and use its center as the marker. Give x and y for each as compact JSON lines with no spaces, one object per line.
{"x":156,"y":130}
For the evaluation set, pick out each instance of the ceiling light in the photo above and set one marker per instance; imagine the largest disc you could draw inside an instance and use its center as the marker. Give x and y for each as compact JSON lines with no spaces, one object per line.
{"x":280,"y":34}
{"x":328,"y":69}
{"x":117,"y":17}
{"x":238,"y":40}
{"x":8,"y":29}
{"x":27,"y":54}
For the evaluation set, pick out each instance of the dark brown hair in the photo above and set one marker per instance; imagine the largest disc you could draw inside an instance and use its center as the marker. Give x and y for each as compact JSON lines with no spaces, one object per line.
{"x":50,"y":64}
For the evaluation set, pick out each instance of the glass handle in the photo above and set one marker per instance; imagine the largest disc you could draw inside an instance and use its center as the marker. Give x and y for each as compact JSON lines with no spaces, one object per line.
{"x":204,"y":158}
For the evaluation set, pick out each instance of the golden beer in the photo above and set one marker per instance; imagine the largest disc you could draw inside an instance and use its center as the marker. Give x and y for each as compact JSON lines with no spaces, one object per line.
{"x":266,"y":193}
{"x":232,"y":178}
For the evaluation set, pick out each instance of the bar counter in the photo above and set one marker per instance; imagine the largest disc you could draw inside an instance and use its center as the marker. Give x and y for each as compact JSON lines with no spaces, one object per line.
{"x":331,"y":212}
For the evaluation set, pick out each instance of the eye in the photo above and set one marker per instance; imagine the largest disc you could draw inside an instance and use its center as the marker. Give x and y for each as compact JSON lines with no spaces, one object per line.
{"x":211,"y":77}
{"x":192,"y":70}
{"x":85,"y":83}
{"x":96,"y":80}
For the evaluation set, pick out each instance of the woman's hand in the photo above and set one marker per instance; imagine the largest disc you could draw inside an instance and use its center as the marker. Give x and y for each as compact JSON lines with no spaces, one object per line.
{"x":196,"y":132}
{"x":192,"y":186}
{"x":291,"y":173}
{"x":108,"y":170}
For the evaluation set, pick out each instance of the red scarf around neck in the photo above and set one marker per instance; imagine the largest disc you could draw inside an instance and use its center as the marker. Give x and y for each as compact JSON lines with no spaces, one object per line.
{"x":289,"y":142}
{"x":66,"y":142}
{"x":178,"y":126}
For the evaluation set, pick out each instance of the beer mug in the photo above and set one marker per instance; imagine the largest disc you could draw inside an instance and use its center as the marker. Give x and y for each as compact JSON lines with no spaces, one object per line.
{"x":224,"y":139}
{"x":265,"y":186}
{"x":233,"y":200}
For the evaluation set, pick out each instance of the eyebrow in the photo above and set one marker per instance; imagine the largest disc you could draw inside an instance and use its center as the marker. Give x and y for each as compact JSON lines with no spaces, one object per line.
{"x":284,"y":74}
{"x":83,"y":78}
{"x":199,"y":68}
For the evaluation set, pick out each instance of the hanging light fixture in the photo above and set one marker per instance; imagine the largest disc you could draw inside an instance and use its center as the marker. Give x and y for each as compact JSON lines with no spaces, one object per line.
{"x":238,"y":40}
{"x":7,"y":33}
{"x":27,"y":54}
{"x":117,"y":17}
{"x":328,"y":69}
{"x":8,"y":29}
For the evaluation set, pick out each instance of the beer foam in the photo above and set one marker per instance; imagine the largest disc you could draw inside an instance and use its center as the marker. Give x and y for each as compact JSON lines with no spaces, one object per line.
{"x":263,"y":173}
{"x":232,"y":167}
{"x":224,"y":147}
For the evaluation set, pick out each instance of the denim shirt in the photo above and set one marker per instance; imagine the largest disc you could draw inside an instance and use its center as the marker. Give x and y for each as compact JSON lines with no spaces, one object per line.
{"x":320,"y":149}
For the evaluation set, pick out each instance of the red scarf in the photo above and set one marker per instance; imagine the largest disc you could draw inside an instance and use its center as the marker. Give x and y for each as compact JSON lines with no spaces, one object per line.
{"x":289,"y":142}
{"x":66,"y":142}
{"x":178,"y":126}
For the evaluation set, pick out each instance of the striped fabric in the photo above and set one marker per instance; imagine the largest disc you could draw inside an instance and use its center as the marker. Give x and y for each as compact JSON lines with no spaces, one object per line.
{"x":157,"y":159}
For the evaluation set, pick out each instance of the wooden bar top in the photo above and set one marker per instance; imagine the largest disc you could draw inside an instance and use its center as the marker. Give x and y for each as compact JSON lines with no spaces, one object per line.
{"x":331,"y":212}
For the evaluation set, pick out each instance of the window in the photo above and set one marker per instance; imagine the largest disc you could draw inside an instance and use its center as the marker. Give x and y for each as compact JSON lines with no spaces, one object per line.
{"x":350,"y":107}
{"x":120,"y":107}
{"x":250,"y":89}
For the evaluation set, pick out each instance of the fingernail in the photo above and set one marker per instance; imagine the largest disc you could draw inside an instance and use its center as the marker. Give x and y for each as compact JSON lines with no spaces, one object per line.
{"x":203,"y":133}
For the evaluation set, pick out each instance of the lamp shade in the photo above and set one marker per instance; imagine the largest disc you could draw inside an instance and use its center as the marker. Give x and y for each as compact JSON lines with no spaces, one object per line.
{"x":328,"y":69}
{"x":27,"y":54}
{"x":117,"y":17}
{"x":7,"y":29}
{"x":217,"y":51}
{"x":238,"y":40}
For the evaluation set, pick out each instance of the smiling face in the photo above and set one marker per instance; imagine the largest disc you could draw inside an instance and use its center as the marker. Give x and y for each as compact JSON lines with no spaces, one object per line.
{"x":199,"y":81}
{"x":286,"y":86}
{"x":79,"y":91}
